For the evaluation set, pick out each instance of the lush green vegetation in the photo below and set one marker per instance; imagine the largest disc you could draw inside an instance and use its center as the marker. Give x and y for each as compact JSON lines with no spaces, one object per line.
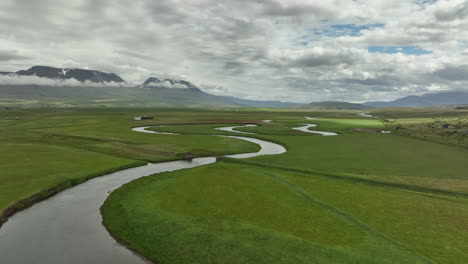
{"x":345,"y":125}
{"x":227,"y":213}
{"x":28,"y":169}
{"x":280,"y":126}
{"x":235,"y":213}
{"x":385,"y":158}
{"x":382,"y":157}
{"x":359,"y":197}
{"x":57,"y":148}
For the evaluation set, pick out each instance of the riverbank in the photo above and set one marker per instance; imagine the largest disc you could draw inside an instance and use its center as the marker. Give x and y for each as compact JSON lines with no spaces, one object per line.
{"x":394,"y":202}
{"x":77,"y":209}
{"x":45,"y":194}
{"x":362,"y":197}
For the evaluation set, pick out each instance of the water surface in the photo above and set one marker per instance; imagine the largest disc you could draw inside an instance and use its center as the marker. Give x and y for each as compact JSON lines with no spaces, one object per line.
{"x":231,"y":129}
{"x":365,"y":114}
{"x":305,"y":128}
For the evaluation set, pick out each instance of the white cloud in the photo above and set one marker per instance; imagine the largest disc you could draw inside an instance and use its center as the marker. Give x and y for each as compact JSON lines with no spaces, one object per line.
{"x":258,"y":49}
{"x":167,"y":84}
{"x":28,"y":80}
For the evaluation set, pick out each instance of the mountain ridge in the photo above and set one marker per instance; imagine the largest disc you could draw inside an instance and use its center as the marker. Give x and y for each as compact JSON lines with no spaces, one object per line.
{"x":156,"y":91}
{"x":337,"y":105}
{"x":121,"y":96}
{"x":425,"y":100}
{"x":81,"y":75}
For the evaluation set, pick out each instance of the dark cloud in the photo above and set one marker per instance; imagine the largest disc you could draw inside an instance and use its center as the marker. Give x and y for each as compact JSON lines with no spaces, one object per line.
{"x":285,"y":9}
{"x":234,"y":67}
{"x":8,"y":55}
{"x":452,"y":11}
{"x":325,"y":59}
{"x":453,"y":73}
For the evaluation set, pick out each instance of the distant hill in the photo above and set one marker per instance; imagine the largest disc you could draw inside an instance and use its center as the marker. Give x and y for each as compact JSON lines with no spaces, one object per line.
{"x":120,"y":96}
{"x":337,"y":105}
{"x":68,"y":73}
{"x":427,"y":100}
{"x":153,"y":92}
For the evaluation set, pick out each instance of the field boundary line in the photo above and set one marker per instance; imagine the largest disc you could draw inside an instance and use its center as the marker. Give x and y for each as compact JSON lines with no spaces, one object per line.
{"x":399,"y":186}
{"x":345,"y":216}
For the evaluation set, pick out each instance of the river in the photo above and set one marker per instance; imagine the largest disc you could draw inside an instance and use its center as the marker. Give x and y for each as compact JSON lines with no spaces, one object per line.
{"x":67,"y":228}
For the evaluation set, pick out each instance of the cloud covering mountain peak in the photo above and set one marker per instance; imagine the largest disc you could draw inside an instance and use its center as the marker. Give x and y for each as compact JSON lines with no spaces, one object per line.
{"x":168,"y":83}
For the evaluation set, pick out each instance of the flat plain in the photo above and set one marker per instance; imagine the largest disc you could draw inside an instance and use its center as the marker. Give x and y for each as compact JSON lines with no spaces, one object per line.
{"x":359,"y":197}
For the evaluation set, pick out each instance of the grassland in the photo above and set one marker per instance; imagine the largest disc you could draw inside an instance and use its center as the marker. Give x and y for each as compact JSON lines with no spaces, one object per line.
{"x":430,"y":124}
{"x":227,"y":213}
{"x":353,"y":198}
{"x":385,"y":158}
{"x":281,"y":126}
{"x":47,"y":150}
{"x":28,"y":169}
{"x":359,"y":197}
{"x":231,"y":213}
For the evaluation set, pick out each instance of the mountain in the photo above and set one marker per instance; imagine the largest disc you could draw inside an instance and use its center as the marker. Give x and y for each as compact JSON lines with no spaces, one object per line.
{"x":68,"y":73}
{"x":336,"y":105}
{"x":154,"y":82}
{"x":426,"y":100}
{"x":167,"y":88}
{"x":120,"y":96}
{"x":153,"y":92}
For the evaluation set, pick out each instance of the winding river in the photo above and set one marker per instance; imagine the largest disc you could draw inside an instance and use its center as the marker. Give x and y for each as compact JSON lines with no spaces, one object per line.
{"x":67,"y":228}
{"x":231,"y":128}
{"x":305,"y":128}
{"x":365,"y":115}
{"x":145,"y":130}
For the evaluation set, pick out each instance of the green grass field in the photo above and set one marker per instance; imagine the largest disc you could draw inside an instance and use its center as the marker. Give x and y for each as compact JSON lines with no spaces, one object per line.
{"x":48,"y":148}
{"x":231,"y":213}
{"x":28,"y":169}
{"x":386,"y":158}
{"x":237,"y":213}
{"x":359,"y":197}
{"x":352,"y":198}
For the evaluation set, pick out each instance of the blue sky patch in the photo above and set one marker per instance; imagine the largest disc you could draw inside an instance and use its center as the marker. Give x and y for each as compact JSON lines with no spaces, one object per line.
{"x":411,"y":50}
{"x":338,"y":30}
{"x":426,"y":2}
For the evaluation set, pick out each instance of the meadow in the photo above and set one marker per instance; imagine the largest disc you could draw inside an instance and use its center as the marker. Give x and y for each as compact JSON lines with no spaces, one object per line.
{"x":47,"y":150}
{"x":232,"y":212}
{"x":445,"y":126}
{"x":359,"y":197}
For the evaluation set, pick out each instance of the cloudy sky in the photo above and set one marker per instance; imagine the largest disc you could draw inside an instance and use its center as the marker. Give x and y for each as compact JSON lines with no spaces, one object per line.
{"x":287,"y":50}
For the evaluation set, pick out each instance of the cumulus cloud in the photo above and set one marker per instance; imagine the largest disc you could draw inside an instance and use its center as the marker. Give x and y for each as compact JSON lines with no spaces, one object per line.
{"x":9,"y":79}
{"x":298,"y":50}
{"x":167,"y":84}
{"x":214,"y":89}
{"x":11,"y":55}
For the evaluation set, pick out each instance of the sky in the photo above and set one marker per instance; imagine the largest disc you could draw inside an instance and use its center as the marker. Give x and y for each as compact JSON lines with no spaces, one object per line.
{"x":287,"y":50}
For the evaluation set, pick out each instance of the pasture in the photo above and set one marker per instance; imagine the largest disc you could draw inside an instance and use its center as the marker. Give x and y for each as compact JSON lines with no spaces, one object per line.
{"x":359,"y":197}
